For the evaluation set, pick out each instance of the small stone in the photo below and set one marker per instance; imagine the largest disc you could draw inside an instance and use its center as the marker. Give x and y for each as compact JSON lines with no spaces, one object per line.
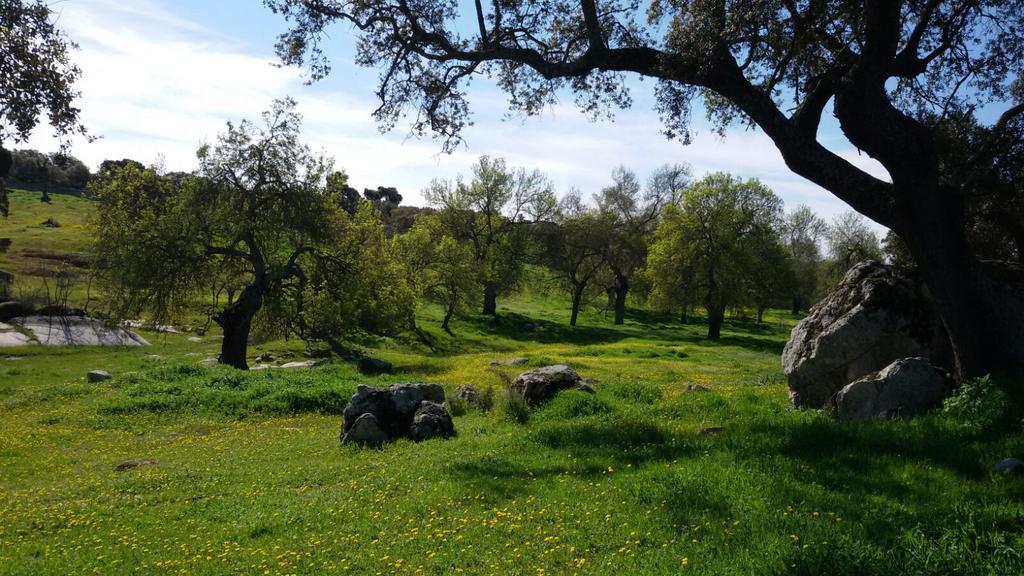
{"x":265,"y":357}
{"x":694,"y":387}
{"x":469,"y":393}
{"x":303,"y":364}
{"x":509,"y":362}
{"x":154,"y":357}
{"x":98,"y":376}
{"x":194,"y":339}
{"x":209,"y":362}
{"x":584,"y":386}
{"x":134,"y":464}
{"x":1009,"y":467}
{"x":260,"y":367}
{"x":200,"y":331}
{"x":711,"y":431}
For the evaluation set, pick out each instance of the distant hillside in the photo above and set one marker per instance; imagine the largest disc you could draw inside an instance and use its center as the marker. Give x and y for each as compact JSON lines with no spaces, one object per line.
{"x":40,"y":239}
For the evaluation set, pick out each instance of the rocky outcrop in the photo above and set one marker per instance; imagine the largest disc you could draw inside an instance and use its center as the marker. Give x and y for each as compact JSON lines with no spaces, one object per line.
{"x":875,"y":316}
{"x":540,"y":385}
{"x":76,"y":331}
{"x":394,"y":410}
{"x":509,"y":362}
{"x":907,"y":387}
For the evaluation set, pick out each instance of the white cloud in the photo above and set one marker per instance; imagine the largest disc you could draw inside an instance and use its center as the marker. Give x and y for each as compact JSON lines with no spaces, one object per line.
{"x":156,"y":85}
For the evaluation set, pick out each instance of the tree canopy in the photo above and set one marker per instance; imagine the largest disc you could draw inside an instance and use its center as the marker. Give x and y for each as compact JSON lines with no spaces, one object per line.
{"x":889,"y":69}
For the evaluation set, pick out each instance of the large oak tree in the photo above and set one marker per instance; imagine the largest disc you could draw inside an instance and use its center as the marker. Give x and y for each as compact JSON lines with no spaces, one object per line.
{"x":886,"y":68}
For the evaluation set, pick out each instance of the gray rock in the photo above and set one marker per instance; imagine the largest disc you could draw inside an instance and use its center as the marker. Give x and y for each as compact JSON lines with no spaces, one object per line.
{"x":585,"y":386}
{"x":509,"y":362}
{"x":98,"y":376}
{"x":194,"y":339}
{"x":77,"y":331}
{"x":302,"y":364}
{"x":694,"y":387}
{"x":1009,"y":467}
{"x":393,"y":407}
{"x":906,"y":388}
{"x":260,"y":367}
{"x":154,"y":357}
{"x":209,"y":362}
{"x":469,"y":393}
{"x":10,"y":336}
{"x":540,"y":385}
{"x":265,"y":357}
{"x":431,"y":420}
{"x":876,"y":315}
{"x":135,"y":464}
{"x":365,"y":431}
{"x":373,"y":366}
{"x":200,"y":331}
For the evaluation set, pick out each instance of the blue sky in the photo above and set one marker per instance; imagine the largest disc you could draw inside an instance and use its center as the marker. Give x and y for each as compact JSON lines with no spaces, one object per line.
{"x":160,"y":77}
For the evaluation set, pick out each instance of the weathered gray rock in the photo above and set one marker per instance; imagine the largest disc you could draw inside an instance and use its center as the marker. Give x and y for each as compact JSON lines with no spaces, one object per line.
{"x":1009,"y":467}
{"x":265,"y":357}
{"x":366,"y":431}
{"x":585,"y":386}
{"x":393,"y":408}
{"x":209,"y":362}
{"x":469,"y":393}
{"x":194,"y":339}
{"x":509,"y":362}
{"x":98,"y":376}
{"x":907,"y":387}
{"x":431,"y":420}
{"x":77,"y":331}
{"x":694,"y":387}
{"x":302,"y":364}
{"x":540,"y":385}
{"x":373,"y":366}
{"x":10,"y":336}
{"x":876,"y":315}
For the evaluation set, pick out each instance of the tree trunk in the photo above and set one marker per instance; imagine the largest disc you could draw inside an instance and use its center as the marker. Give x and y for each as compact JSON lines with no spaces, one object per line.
{"x":796,"y":305}
{"x":682,"y":315}
{"x":577,"y":297}
{"x":984,"y":321}
{"x":760,"y":315}
{"x":491,"y":299}
{"x":716,"y":316}
{"x":448,"y":313}
{"x":236,"y":321}
{"x":621,"y":289}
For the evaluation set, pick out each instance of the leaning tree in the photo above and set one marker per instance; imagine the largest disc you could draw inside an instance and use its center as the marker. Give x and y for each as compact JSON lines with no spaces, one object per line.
{"x":883,"y":66}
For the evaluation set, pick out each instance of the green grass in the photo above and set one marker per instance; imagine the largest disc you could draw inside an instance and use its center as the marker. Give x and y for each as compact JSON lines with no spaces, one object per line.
{"x":645,"y":477}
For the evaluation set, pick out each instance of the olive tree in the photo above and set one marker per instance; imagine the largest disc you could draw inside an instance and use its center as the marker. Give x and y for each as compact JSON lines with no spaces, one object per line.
{"x":884,"y":69}
{"x":492,"y":214}
{"x":257,"y":207}
{"x":714,"y":243}
{"x":573,"y":247}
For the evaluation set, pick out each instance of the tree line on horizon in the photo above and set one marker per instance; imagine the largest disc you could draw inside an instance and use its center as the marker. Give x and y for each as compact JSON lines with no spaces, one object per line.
{"x":268,"y":232}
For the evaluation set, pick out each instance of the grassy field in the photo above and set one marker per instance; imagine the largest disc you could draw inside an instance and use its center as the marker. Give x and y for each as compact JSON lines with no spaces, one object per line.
{"x":646,"y":477}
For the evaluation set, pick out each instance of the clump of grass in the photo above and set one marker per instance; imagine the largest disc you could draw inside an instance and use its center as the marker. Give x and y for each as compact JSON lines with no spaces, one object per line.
{"x":576,"y":404}
{"x":515,"y":409}
{"x":458,"y":406}
{"x":636,"y":392}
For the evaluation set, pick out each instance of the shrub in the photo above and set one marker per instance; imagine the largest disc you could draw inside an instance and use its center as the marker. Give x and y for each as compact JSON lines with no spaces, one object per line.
{"x":457,"y":406}
{"x":515,"y":409}
{"x":980,"y":406}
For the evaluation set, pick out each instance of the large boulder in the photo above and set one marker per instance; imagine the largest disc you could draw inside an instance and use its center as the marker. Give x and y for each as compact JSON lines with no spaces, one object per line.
{"x":373,"y":366}
{"x":365,"y":431}
{"x":394,"y":408}
{"x":875,"y":316}
{"x":77,"y":331}
{"x":907,"y":387}
{"x":540,"y":385}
